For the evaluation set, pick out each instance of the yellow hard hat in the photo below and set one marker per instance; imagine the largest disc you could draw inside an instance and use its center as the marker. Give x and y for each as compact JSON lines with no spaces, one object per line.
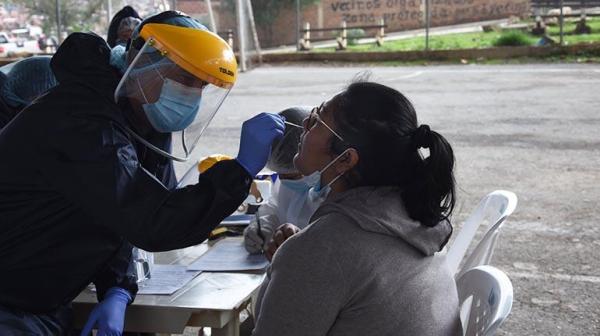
{"x":210,"y":160}
{"x":199,"y":52}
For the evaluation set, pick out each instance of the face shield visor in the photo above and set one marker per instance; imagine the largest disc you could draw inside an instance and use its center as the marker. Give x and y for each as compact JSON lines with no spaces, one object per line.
{"x":176,"y":85}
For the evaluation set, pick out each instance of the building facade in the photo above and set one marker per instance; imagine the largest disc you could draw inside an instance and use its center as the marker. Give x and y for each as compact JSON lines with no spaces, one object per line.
{"x":398,"y":15}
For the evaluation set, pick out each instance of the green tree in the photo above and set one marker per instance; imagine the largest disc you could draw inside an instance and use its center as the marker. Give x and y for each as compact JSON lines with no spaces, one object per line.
{"x":267,"y":11}
{"x":75,"y":15}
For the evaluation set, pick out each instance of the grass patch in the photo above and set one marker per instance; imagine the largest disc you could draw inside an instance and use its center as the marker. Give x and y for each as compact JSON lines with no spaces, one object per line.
{"x":514,"y":38}
{"x":441,"y":42}
{"x":353,"y":35}
{"x":480,"y":39}
{"x":569,"y":26}
{"x":509,"y":61}
{"x":545,"y":59}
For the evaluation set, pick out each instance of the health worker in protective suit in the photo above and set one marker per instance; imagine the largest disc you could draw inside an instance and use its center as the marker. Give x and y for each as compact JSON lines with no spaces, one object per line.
{"x":122,"y":25}
{"x":87,"y":169}
{"x":25,"y":81}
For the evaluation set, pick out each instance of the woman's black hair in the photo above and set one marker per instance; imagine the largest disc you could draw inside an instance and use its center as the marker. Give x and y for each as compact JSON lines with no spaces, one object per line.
{"x":381,"y":124}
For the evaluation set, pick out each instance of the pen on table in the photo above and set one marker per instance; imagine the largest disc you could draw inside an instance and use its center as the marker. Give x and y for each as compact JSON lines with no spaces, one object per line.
{"x":260,"y":235}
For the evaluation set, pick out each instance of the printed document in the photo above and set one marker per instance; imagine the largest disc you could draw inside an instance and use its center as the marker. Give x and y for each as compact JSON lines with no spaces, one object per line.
{"x":166,"y":279}
{"x":229,"y":255}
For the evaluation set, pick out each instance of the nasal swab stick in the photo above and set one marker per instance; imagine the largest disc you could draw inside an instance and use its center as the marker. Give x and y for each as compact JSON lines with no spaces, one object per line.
{"x":292,"y":124}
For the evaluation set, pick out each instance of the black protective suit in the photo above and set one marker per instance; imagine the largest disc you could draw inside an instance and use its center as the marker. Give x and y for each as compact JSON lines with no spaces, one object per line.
{"x":6,"y":113}
{"x":75,"y":188}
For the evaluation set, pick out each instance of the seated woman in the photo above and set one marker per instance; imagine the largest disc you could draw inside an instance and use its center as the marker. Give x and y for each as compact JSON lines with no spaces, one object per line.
{"x":366,"y":264}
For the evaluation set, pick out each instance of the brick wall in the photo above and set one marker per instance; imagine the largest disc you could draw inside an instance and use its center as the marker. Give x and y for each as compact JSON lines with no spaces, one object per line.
{"x":404,"y":14}
{"x":398,"y":15}
{"x":192,"y":6}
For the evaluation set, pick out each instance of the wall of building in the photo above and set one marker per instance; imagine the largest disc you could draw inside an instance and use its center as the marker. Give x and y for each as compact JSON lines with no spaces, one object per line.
{"x":195,"y":8}
{"x":398,"y":15}
{"x":224,"y":17}
{"x":403,"y":14}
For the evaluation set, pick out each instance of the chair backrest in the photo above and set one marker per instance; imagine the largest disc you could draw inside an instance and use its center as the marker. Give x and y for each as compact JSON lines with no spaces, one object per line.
{"x":493,"y":209}
{"x":485,"y":295}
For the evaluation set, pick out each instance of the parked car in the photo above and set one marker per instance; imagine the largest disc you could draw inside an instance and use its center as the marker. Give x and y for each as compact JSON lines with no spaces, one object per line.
{"x":10,"y":48}
{"x":6,"y":46}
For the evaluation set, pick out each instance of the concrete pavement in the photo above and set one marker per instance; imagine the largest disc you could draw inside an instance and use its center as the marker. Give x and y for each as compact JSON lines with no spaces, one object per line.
{"x":531,"y":129}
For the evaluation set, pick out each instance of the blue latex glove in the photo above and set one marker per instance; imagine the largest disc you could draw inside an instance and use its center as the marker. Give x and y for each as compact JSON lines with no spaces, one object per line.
{"x":109,"y":315}
{"x":255,"y":143}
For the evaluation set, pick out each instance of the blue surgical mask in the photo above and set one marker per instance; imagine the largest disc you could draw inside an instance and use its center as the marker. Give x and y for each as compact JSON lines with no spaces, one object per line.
{"x":298,"y":186}
{"x":175,"y":109}
{"x":315,"y":178}
{"x":292,"y":203}
{"x":299,"y":199}
{"x":118,"y":58}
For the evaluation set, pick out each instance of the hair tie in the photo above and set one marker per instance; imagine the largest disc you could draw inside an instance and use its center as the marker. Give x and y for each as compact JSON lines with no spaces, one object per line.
{"x":421,"y":137}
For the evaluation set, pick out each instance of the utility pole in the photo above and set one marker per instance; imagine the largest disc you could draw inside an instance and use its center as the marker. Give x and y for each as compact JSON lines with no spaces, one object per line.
{"x":211,"y":17}
{"x":427,"y":23}
{"x":241,"y":34}
{"x":58,"y":29}
{"x":254,"y":32}
{"x":109,"y":10}
{"x":174,"y":5}
{"x":561,"y":22}
{"x":298,"y":25}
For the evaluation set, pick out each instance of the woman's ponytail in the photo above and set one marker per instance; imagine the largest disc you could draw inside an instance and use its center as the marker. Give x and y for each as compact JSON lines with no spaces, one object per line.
{"x":430,"y":196}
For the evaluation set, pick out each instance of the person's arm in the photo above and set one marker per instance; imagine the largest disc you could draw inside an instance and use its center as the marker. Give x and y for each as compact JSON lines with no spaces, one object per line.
{"x":305,"y":291}
{"x":116,"y":288}
{"x":94,"y":165}
{"x":261,"y":228}
{"x":188,"y":215}
{"x":118,"y":272}
{"x":109,"y":314}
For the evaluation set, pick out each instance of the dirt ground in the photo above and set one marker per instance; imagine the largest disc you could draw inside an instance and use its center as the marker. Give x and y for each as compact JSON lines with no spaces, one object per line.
{"x":530,"y":129}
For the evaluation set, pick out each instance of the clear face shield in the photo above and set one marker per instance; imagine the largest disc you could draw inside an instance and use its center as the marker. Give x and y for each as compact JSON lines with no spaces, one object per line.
{"x":165,"y":97}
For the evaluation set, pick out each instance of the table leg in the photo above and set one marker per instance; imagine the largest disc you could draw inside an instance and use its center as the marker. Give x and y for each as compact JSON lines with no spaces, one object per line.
{"x":230,"y":329}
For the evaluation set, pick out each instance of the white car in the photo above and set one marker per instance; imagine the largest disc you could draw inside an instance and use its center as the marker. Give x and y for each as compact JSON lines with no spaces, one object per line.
{"x":9,"y":48}
{"x":6,"y":47}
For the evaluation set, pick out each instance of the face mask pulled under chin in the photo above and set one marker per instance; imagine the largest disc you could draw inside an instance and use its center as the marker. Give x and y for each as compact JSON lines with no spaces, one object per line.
{"x":293,"y":203}
{"x":317,"y":191}
{"x":314,"y":193}
{"x":299,"y":199}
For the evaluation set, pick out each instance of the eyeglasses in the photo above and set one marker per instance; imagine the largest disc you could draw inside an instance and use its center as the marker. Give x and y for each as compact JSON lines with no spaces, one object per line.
{"x":314,"y":117}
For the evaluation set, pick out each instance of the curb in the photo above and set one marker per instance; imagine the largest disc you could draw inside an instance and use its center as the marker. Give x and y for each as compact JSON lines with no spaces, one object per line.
{"x":433,"y":55}
{"x":6,"y":60}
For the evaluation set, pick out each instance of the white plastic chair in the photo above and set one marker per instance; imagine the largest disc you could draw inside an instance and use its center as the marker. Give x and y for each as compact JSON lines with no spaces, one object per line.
{"x":485,"y":296}
{"x":493,"y":209}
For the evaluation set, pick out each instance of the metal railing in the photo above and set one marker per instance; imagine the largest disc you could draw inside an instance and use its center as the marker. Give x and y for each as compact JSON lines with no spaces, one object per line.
{"x":342,"y":40}
{"x":561,"y":5}
{"x":574,"y":4}
{"x":227,"y":35}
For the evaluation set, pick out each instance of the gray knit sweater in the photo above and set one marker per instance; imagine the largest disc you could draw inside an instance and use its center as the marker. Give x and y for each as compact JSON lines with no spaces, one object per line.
{"x":363,"y":267}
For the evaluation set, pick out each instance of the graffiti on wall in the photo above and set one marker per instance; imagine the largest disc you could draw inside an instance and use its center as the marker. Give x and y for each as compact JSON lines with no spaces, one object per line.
{"x":371,"y":11}
{"x":410,"y":13}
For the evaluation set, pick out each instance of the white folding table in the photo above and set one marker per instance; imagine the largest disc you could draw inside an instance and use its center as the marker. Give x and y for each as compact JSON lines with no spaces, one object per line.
{"x":211,"y":299}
